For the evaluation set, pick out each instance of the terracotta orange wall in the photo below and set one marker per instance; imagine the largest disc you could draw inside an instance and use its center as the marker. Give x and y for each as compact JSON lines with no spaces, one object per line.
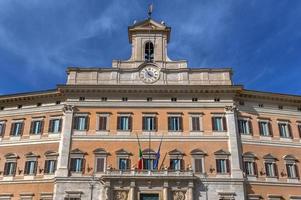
{"x":264,"y":190}
{"x":132,"y":146}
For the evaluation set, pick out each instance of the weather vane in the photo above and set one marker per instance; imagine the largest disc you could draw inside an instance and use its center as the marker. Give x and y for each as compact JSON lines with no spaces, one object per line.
{"x":150,"y":11}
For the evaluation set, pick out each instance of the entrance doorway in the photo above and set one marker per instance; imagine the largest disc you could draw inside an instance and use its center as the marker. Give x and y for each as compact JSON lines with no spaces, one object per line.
{"x":149,"y":196}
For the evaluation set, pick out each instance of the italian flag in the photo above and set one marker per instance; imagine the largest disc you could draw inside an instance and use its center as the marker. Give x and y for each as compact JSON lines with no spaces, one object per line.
{"x":140,"y":161}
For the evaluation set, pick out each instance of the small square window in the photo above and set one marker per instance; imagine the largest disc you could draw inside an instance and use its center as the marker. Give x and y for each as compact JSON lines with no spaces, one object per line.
{"x":149,"y":99}
{"x":19,"y":106}
{"x":124,"y":99}
{"x":299,"y":108}
{"x":260,"y":105}
{"x":194,"y":99}
{"x":104,"y":98}
{"x":280,"y":107}
{"x":82,"y":98}
{"x":217,"y":99}
{"x":58,"y":102}
{"x":39,"y":104}
{"x":173,"y":99}
{"x":1,"y":108}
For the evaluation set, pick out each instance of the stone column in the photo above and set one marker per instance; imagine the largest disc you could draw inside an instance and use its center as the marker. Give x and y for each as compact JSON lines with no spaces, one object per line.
{"x":233,"y":142}
{"x":165,"y":190}
{"x":107,"y":191}
{"x":65,"y":142}
{"x":132,"y":195}
{"x":190,"y":191}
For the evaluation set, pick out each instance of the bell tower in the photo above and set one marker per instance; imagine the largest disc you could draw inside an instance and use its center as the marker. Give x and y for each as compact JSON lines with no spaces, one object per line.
{"x":149,"y":41}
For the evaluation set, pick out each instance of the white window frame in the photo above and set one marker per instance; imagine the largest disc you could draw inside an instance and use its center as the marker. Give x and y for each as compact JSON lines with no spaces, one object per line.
{"x":3,"y":129}
{"x":103,"y":132}
{"x":268,"y":126}
{"x":248,"y":128}
{"x":180,"y":116}
{"x":155,"y":116}
{"x":200,"y":116}
{"x":17,"y":137}
{"x":288,"y":134}
{"x":60,"y":125}
{"x":222,"y":116}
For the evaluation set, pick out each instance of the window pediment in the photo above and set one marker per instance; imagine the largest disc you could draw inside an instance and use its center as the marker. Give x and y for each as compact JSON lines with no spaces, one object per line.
{"x":101,"y":151}
{"x":176,"y":152}
{"x":51,"y":153}
{"x":77,"y":151}
{"x":148,"y":151}
{"x":11,"y":156}
{"x":249,"y":155}
{"x":222,"y":152}
{"x":198,"y":152}
{"x":290,"y":157}
{"x":31,"y":155}
{"x":123,"y":152}
{"x":269,"y":157}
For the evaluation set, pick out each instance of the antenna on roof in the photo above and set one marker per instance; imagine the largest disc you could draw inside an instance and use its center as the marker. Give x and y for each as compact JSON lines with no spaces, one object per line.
{"x":150,"y":11}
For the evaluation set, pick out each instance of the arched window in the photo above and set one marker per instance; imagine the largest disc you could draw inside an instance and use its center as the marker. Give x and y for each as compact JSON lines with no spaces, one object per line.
{"x":149,"y":51}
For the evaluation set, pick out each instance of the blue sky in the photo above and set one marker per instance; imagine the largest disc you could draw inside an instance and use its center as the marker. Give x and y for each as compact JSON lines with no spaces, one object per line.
{"x":260,"y":40}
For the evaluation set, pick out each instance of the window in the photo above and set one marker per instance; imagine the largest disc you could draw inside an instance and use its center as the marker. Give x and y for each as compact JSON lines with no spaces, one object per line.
{"x":30,"y":167}
{"x":176,"y":160}
{"x":81,"y":123}
{"x":2,"y":128}
{"x":50,"y":166}
{"x":265,"y":128}
{"x":299,"y":129}
{"x":195,"y":123}
{"x":198,"y":160}
{"x":284,"y":129}
{"x":100,"y":160}
{"x":124,"y":99}
{"x":20,"y":106}
{"x":149,"y":123}
{"x":102,"y":123}
{"x":76,"y":161}
{"x":104,"y":98}
{"x":124,"y":123}
{"x":55,"y":125}
{"x":10,"y":168}
{"x":222,"y":166}
{"x":149,"y":51}
{"x":149,"y":157}
{"x":291,"y":170}
{"x":100,"y":164}
{"x":82,"y":98}
{"x":250,"y":168}
{"x":176,"y":164}
{"x":36,"y":127}
{"x":291,"y":166}
{"x":173,"y":99}
{"x":175,"y":123}
{"x":270,"y":169}
{"x":58,"y":102}
{"x":194,"y":99}
{"x":124,"y":164}
{"x":245,"y":127}
{"x":16,"y":129}
{"x":219,"y":124}
{"x":149,"y":99}
{"x":76,"y":165}
{"x":217,"y":99}
{"x":222,"y":161}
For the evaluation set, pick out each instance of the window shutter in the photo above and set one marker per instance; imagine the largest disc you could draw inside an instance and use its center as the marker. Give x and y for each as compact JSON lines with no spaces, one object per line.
{"x":75,"y":123}
{"x":181,"y":123}
{"x":60,"y":125}
{"x":239,"y":126}
{"x":250,"y":127}
{"x":50,"y":128}
{"x":169,"y":123}
{"x":102,"y":123}
{"x":182,"y":164}
{"x":12,"y":128}
{"x":32,"y":127}
{"x":270,"y":129}
{"x":299,"y":129}
{"x":100,"y":165}
{"x":280,"y":132}
{"x":83,"y":165}
{"x":260,"y":128}
{"x":14,"y":166}
{"x":143,"y":123}
{"x":6,"y":168}
{"x":118,"y":123}
{"x":224,"y":124}
{"x":46,"y":168}
{"x":156,"y":123}
{"x":218,"y":167}
{"x":21,"y":129}
{"x":228,"y":165}
{"x":130,"y":123}
{"x":72,"y":165}
{"x":35,"y":167}
{"x":255,"y":168}
{"x":128,"y":164}
{"x":198,"y":165}
{"x":275,"y":169}
{"x":213,"y":124}
{"x":26,"y":170}
{"x":2,"y":130}
{"x":290,"y":130}
{"x":297,"y":171}
{"x":41,"y":127}
{"x":87,"y":123}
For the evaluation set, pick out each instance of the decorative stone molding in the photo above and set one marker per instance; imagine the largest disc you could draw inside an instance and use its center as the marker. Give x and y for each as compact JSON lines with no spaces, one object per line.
{"x":68,"y":108}
{"x":230,"y":108}
{"x":120,"y":195}
{"x":178,"y":195}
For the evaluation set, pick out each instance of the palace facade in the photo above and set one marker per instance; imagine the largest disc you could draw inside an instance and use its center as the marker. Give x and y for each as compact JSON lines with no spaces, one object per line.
{"x":198,"y":135}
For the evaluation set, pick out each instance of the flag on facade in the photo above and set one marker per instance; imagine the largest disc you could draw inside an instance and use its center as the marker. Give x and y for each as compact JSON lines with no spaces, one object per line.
{"x":140,"y":161}
{"x":156,"y":163}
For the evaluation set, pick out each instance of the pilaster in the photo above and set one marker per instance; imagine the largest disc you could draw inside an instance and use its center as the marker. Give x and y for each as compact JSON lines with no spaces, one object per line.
{"x":132,"y":191}
{"x":65,"y":142}
{"x":165,"y":190}
{"x":233,"y":142}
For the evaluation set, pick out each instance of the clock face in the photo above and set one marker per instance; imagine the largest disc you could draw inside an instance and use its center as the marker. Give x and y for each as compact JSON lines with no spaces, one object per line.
{"x":150,"y":74}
